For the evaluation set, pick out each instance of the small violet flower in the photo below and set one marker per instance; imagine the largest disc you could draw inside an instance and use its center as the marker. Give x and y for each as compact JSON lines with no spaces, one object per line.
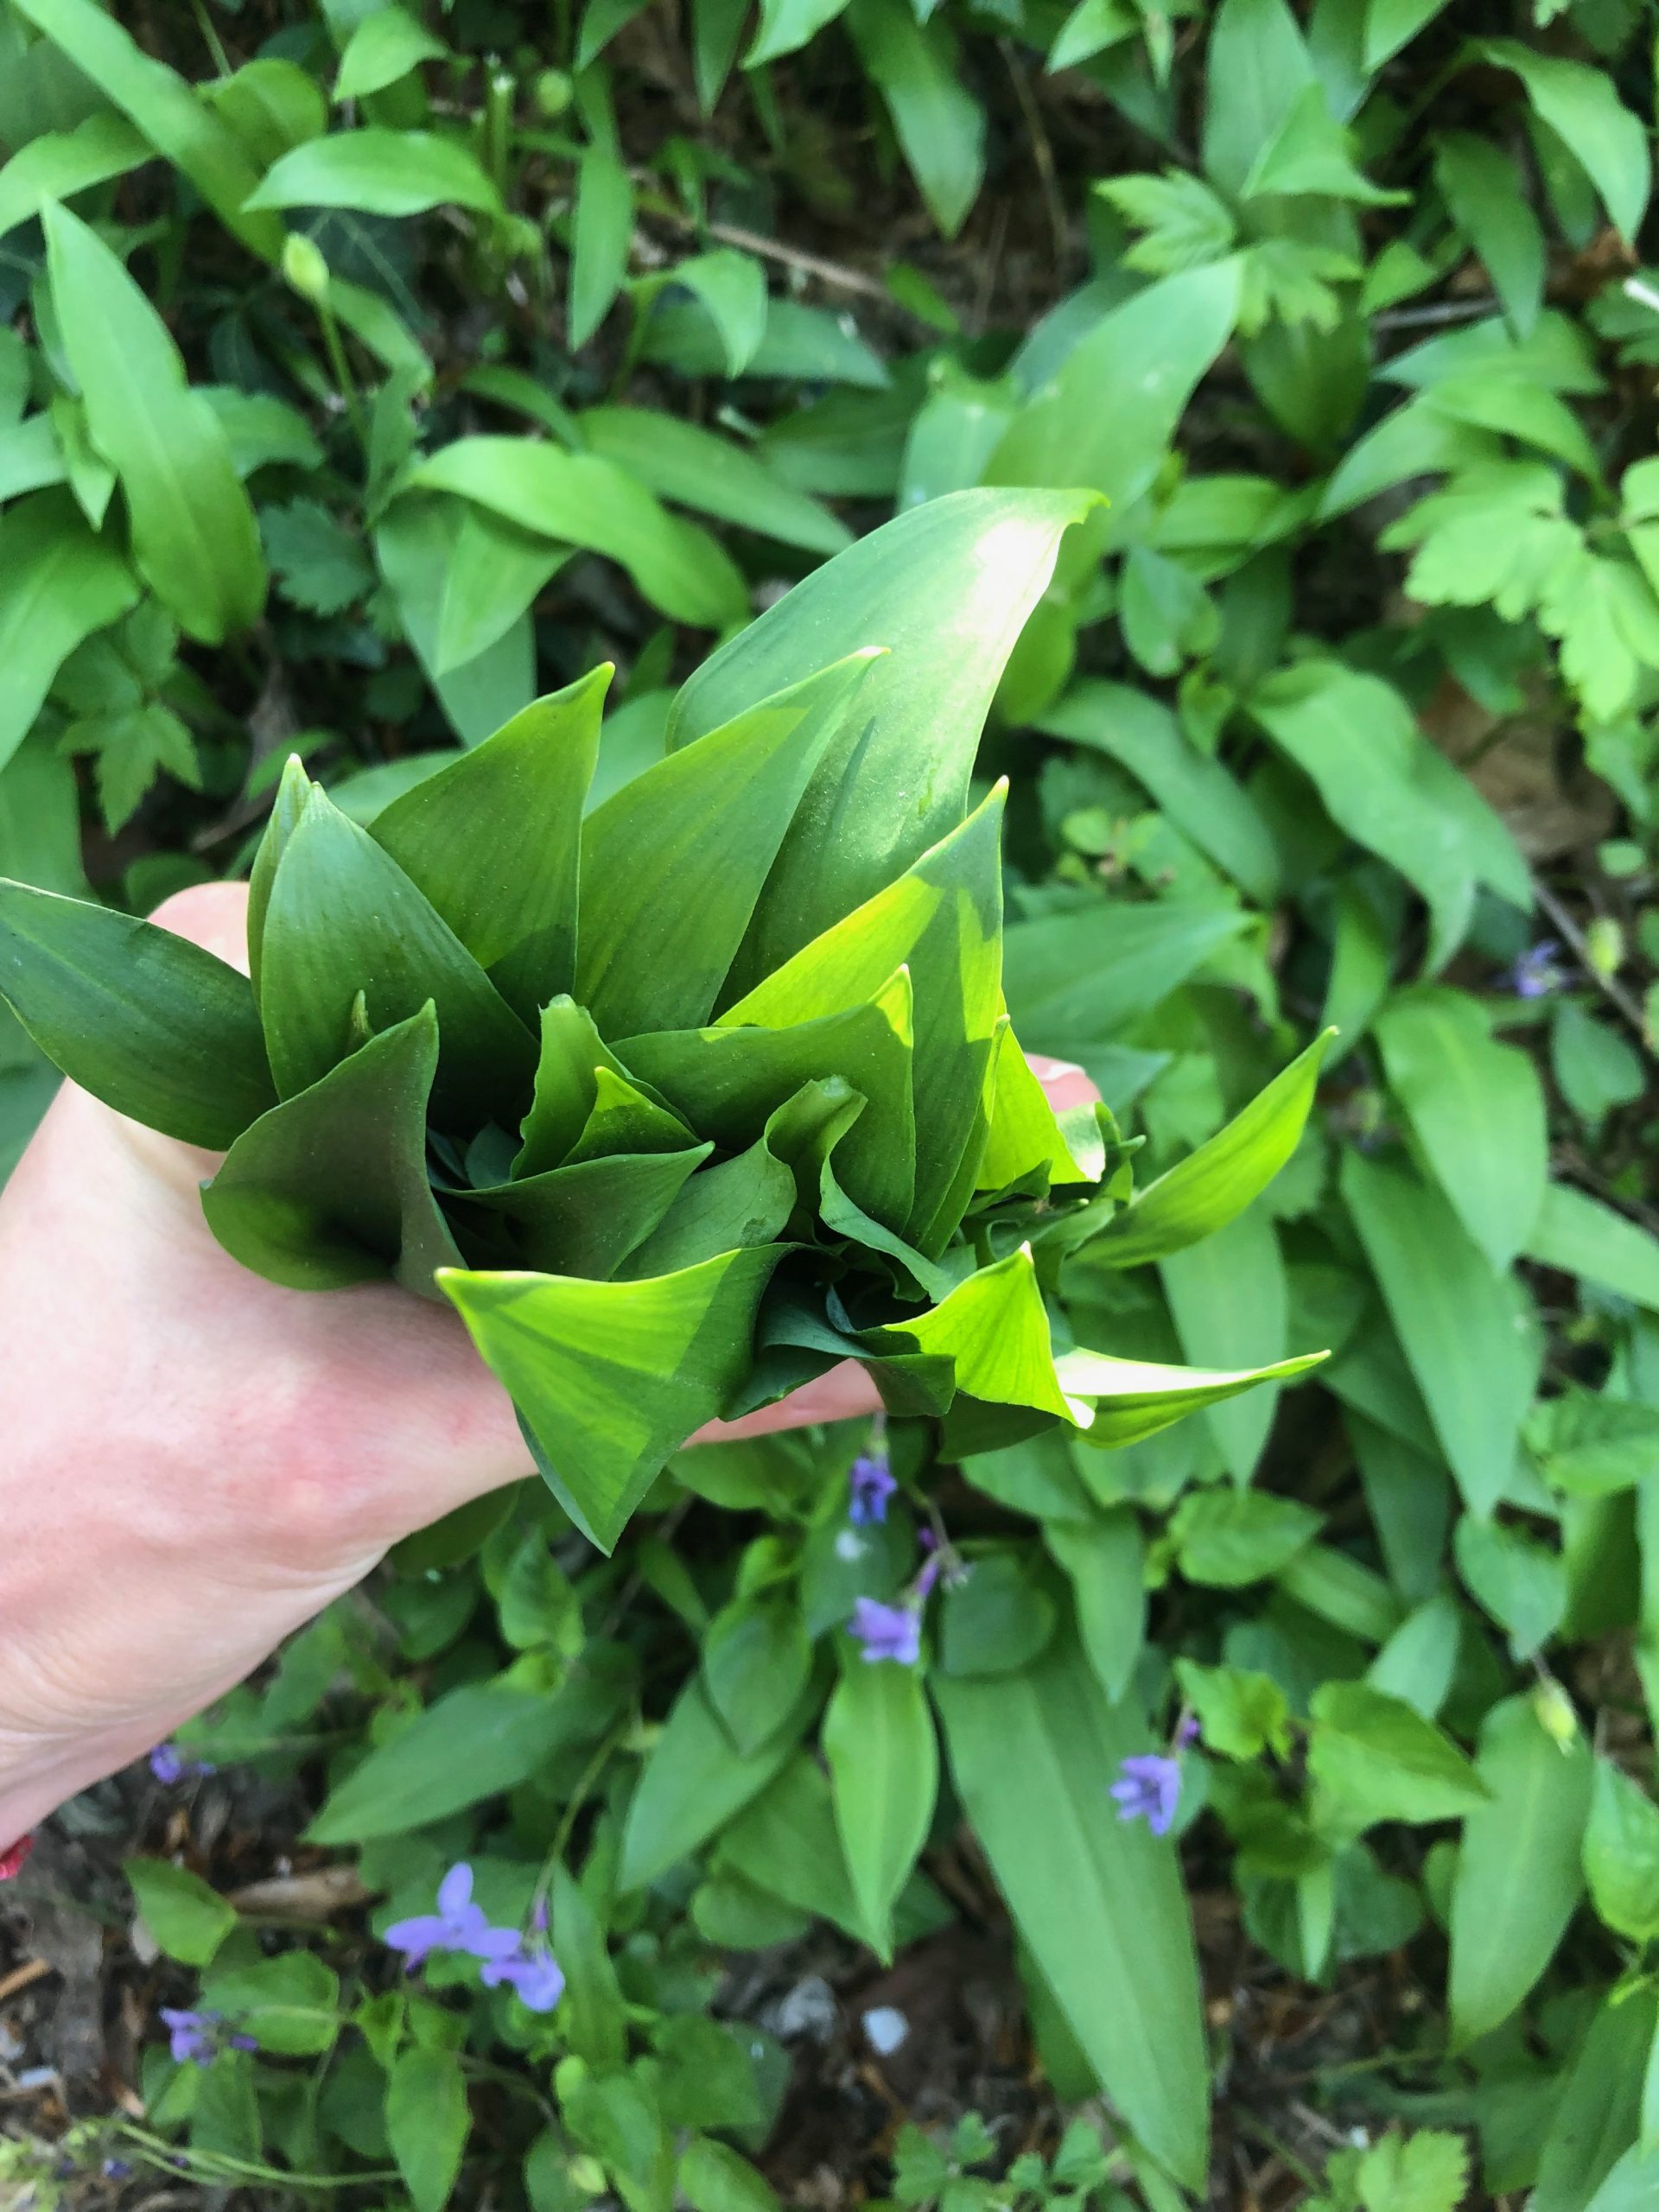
{"x":169,"y":1766}
{"x":1187,"y":1730}
{"x":535,"y":1975}
{"x":1149,"y":1788}
{"x":1538,"y":971}
{"x":872,"y":1484}
{"x":888,"y":1631}
{"x":457,"y":1925}
{"x":197,"y":2038}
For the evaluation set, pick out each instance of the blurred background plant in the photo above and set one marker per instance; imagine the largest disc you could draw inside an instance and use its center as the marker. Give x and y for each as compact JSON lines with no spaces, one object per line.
{"x":421,"y":359}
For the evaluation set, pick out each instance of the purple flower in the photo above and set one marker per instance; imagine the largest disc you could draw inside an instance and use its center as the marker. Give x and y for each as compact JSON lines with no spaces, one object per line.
{"x":117,"y":2169}
{"x":872,"y":1485}
{"x":888,"y":1631}
{"x":535,"y":1974}
{"x":457,"y":1925}
{"x":1187,"y":1730}
{"x":170,"y":1765}
{"x":1538,"y":971}
{"x":1149,"y":1789}
{"x":197,"y":2038}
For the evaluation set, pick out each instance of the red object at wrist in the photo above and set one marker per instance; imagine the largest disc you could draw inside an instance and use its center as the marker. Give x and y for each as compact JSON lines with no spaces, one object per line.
{"x":11,"y":1862}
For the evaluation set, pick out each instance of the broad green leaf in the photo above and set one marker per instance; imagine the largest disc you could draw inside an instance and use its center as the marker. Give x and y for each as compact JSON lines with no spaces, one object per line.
{"x":1257,"y":67}
{"x":756,"y":1659}
{"x":1105,"y":1559}
{"x":1598,"y":2112}
{"x":1373,"y":1758}
{"x":382,"y":50}
{"x":343,"y":918}
{"x":182,"y":128}
{"x":1621,"y":1854}
{"x":1098,"y":1902}
{"x":1419,"y":1657}
{"x":474,"y":1743}
{"x":187,"y":1919}
{"x":727,"y":1082}
{"x":416,"y":547}
{"x":803,"y":344}
{"x":516,"y":798}
{"x":152,"y":1025}
{"x":745,"y":1200}
{"x":1629,"y":2184}
{"x":939,"y":125}
{"x":1476,"y":1109}
{"x":194,"y":540}
{"x":1585,"y":1238}
{"x":658,"y":941}
{"x":289,"y":2003}
{"x":427,"y":2124}
{"x":692,"y":467}
{"x":1200,"y":797}
{"x":1389,"y":24}
{"x":1518,"y":1878}
{"x":732,"y":287}
{"x":1076,"y":979}
{"x":585,"y":1218}
{"x":942,"y":919}
{"x":1579,"y":104}
{"x":271,"y":104}
{"x":787,"y":25}
{"x":786,"y":1843}
{"x":1461,"y":1326}
{"x":1310,"y":154}
{"x":331,"y":1187}
{"x":610,"y":1378}
{"x":713,"y":2178}
{"x":58,"y":583}
{"x":884,"y":1772}
{"x":499,"y":572}
{"x":602,"y":236}
{"x":996,"y":1331}
{"x":1230,"y":1304}
{"x":1590,"y":1443}
{"x":567,"y":1086}
{"x":1241,"y":1714}
{"x":1215,"y":1184}
{"x":1225,"y":1538}
{"x":1519,"y":1581}
{"x":1135,"y":1398}
{"x":948,"y":587}
{"x":585,"y":500}
{"x":60,"y":163}
{"x":994,"y":1619}
{"x":380,"y":173}
{"x":692,"y":1785}
{"x":1108,"y":415}
{"x":1489,"y":204}
{"x":593,"y":2017}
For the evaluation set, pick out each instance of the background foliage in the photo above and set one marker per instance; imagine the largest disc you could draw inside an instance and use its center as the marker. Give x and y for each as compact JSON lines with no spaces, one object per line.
{"x":420,"y":360}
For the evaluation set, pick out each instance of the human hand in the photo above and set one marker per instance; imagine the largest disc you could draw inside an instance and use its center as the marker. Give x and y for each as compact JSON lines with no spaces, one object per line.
{"x":198,"y":1460}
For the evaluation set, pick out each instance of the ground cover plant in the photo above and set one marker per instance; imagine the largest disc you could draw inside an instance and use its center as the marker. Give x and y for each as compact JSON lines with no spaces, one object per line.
{"x":373,"y":374}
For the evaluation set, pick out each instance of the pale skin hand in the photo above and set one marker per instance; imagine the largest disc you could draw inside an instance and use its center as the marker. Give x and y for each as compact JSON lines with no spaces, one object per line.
{"x":196,"y":1461}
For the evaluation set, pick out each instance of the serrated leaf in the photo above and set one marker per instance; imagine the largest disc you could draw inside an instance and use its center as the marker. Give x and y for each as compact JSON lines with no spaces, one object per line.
{"x":319,"y":564}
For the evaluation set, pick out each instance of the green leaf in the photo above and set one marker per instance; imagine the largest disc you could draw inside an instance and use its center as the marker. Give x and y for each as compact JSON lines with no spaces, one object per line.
{"x":611,"y":1378}
{"x":1584,"y":1238}
{"x":1596,"y":2116}
{"x":713,"y":2178}
{"x":1258,"y":66}
{"x":1135,"y":1398}
{"x":1240,"y":1714}
{"x":1107,"y":417}
{"x":519,"y":797}
{"x":657,"y":943}
{"x":786,"y":1843}
{"x":1204,"y":1191}
{"x":693,"y":1784}
{"x":756,"y":1659}
{"x":1226,"y":1537}
{"x":884,"y":1771}
{"x":994,"y":1619}
{"x":1185,"y":224}
{"x":692,"y":467}
{"x":939,"y":124}
{"x":381,"y":51}
{"x":194,"y":540}
{"x":1389,"y":24}
{"x":1105,"y":1559}
{"x":1518,"y":1878}
{"x":1579,"y":103}
{"x":948,"y":587}
{"x":592,"y":2017}
{"x":380,"y":173}
{"x":1519,"y":1581}
{"x":1489,"y":204}
{"x":58,"y":583}
{"x":187,"y":1919}
{"x":427,"y":2124}
{"x":474,"y":1743}
{"x":602,"y":236}
{"x":1417,"y":2173}
{"x":150,"y":1023}
{"x":497,"y":574}
{"x":343,"y":919}
{"x":1097,"y":1902}
{"x":60,"y":163}
{"x":588,"y":1218}
{"x":1476,"y":1110}
{"x":732,"y":287}
{"x":182,"y":128}
{"x":331,"y":1187}
{"x":584,"y":500}
{"x":995,"y":1330}
{"x":289,"y":2004}
{"x":1460,"y":1325}
{"x":1376,"y":1759}
{"x":1590,"y":1445}
{"x":1621,"y":1854}
{"x":319,"y":564}
{"x":416,"y":545}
